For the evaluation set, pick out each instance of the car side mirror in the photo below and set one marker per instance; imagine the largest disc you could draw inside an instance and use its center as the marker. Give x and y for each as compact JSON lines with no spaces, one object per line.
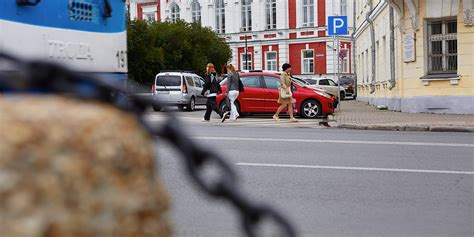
{"x":293,"y":88}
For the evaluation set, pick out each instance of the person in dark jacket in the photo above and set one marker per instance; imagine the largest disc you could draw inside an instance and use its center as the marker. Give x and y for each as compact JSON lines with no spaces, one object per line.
{"x":213,"y":88}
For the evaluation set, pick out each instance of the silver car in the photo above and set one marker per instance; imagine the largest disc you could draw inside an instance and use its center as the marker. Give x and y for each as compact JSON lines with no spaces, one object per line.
{"x":182,"y":89}
{"x":328,"y":85}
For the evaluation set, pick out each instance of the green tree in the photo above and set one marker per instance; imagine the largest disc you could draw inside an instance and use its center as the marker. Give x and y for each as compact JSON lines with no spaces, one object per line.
{"x":159,"y":46}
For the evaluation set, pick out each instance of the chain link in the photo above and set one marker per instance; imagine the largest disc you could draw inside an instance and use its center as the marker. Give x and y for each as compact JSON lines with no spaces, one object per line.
{"x":45,"y":77}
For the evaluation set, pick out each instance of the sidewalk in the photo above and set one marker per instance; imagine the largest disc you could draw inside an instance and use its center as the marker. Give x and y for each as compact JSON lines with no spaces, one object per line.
{"x":360,"y":115}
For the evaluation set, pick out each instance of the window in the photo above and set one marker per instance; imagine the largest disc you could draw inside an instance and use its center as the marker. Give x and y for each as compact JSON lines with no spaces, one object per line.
{"x":271,"y":82}
{"x":168,"y":80}
{"x":331,"y":82}
{"x":324,"y":82}
{"x":189,"y":81}
{"x":174,"y":12}
{"x":442,"y":47}
{"x":196,"y":11}
{"x":246,"y":61}
{"x":343,"y":7}
{"x":308,"y":61}
{"x":220,"y":16}
{"x":308,"y":13}
{"x":271,"y":59}
{"x":311,"y":81}
{"x":251,"y":81}
{"x":361,"y":69}
{"x":149,"y":16}
{"x":246,"y":15}
{"x":384,"y":62}
{"x":197,"y":81}
{"x":367,"y":66}
{"x":270,"y":10}
{"x":344,"y":61}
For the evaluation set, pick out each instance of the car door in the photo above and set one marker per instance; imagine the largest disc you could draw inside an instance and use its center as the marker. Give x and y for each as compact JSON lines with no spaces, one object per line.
{"x":252,"y":99}
{"x":271,"y":93}
{"x":167,"y":87}
{"x":198,"y":83}
{"x":325,"y":85}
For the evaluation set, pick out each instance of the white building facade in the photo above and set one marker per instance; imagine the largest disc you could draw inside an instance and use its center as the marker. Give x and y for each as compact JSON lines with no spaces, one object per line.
{"x":264,"y":34}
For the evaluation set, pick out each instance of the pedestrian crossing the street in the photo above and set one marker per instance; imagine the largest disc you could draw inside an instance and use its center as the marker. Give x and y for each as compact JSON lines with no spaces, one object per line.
{"x":247,"y":121}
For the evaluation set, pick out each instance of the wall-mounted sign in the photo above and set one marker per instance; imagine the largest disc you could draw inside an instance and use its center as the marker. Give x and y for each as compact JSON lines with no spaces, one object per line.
{"x":409,"y":52}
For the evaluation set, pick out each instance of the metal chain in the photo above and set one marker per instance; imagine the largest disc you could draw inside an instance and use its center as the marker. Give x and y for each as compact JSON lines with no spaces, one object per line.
{"x":46,"y":77}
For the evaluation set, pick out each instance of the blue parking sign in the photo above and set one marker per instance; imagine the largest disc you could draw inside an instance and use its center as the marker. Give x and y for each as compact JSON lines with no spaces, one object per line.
{"x":337,"y":25}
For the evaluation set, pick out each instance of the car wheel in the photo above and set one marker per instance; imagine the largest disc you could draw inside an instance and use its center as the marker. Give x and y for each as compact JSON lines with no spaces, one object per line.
{"x":342,"y":95}
{"x":156,"y":108}
{"x":311,"y":109}
{"x":191,"y":105}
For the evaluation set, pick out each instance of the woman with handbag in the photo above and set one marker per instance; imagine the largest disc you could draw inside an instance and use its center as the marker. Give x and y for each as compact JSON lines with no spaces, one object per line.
{"x":286,"y":96}
{"x":233,"y":89}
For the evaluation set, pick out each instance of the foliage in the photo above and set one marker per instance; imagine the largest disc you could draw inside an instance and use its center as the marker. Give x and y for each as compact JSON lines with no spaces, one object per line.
{"x":160,"y":46}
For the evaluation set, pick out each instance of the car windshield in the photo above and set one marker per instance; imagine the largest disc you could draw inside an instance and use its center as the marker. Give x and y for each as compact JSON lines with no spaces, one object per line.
{"x":346,"y":81}
{"x":168,"y":80}
{"x":299,"y":81}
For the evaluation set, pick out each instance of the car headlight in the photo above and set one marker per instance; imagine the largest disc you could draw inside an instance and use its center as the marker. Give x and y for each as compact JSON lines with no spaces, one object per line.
{"x":323,"y":94}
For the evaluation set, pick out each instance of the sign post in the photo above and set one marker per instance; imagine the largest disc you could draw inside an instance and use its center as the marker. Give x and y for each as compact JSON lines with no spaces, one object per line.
{"x":337,"y":25}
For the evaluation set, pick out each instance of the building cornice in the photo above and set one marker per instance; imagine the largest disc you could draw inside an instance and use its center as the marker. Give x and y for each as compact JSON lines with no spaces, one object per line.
{"x":375,"y":13}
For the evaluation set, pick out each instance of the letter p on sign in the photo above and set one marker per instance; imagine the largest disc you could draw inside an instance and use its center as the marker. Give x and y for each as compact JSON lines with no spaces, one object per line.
{"x":337,"y":25}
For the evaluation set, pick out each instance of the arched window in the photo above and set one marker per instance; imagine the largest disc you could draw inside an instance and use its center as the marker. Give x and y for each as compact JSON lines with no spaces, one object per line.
{"x":308,"y":13}
{"x":220,"y":16}
{"x":246,"y":15}
{"x":270,"y":10}
{"x":196,"y":11}
{"x":174,"y":12}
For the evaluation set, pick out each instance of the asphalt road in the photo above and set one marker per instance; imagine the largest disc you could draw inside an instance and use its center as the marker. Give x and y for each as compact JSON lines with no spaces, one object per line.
{"x":334,"y":182}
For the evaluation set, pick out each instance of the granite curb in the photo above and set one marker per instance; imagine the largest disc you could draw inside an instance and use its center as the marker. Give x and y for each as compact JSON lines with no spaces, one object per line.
{"x":417,"y":128}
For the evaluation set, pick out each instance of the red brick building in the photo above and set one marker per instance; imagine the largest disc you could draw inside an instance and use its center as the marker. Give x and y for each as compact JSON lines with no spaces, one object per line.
{"x":272,"y":32}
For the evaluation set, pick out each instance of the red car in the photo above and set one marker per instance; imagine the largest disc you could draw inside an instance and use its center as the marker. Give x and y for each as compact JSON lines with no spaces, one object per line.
{"x":260,"y":95}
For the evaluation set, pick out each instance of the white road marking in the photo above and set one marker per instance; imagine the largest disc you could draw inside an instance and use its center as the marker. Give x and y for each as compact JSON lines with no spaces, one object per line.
{"x":336,"y":141}
{"x":355,"y":168}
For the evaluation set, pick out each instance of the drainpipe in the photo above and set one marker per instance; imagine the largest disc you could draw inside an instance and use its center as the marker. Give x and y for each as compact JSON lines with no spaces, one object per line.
{"x":354,"y":69}
{"x":392,"y":50}
{"x":372,"y":42}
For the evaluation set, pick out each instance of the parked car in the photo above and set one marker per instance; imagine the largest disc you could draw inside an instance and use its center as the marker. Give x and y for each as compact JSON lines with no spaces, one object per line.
{"x":182,"y":89}
{"x":261,"y":96}
{"x":349,"y":86}
{"x":328,"y":85}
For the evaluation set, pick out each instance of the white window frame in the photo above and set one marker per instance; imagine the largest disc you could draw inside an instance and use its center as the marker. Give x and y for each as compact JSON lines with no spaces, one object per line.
{"x":308,"y":61}
{"x":270,"y":14}
{"x":246,"y":14}
{"x":196,"y":11}
{"x":344,"y":7}
{"x":308,"y":13}
{"x":271,"y":64}
{"x":345,"y":62}
{"x":249,"y":64}
{"x":149,"y":16}
{"x":444,"y":38}
{"x":175,"y":12}
{"x":149,"y":13}
{"x":220,"y":16}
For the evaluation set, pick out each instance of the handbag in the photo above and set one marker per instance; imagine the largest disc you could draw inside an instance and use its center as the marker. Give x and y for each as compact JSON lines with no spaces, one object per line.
{"x":285,"y":95}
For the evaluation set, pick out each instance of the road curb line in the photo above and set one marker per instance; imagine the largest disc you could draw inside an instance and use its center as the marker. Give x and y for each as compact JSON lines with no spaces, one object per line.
{"x":417,"y":128}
